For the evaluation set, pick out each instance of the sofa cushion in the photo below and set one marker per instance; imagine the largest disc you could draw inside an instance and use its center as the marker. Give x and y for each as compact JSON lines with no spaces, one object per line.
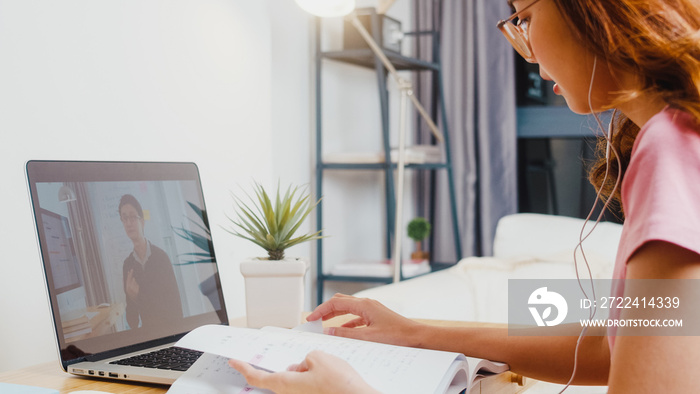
{"x":527,"y":246}
{"x":543,"y":236}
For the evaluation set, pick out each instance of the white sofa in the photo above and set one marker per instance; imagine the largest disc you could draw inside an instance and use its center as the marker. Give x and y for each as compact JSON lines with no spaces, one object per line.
{"x":526,"y":246}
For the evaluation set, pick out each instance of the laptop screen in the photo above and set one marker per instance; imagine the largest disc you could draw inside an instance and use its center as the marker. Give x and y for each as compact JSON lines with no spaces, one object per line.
{"x":126,"y":250}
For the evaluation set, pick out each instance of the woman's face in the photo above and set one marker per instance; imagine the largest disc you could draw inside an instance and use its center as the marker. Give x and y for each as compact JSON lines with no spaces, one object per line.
{"x":564,"y":60}
{"x":133,"y":223}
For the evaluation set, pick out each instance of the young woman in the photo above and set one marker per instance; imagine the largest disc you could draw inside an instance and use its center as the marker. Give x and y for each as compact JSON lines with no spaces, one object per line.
{"x":641,"y":58}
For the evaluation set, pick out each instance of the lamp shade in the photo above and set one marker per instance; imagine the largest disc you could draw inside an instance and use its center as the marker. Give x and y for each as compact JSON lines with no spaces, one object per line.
{"x":327,"y":8}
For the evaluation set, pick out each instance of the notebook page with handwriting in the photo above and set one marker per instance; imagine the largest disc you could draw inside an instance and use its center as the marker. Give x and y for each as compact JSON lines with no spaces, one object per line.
{"x":387,"y":368}
{"x":211,"y":374}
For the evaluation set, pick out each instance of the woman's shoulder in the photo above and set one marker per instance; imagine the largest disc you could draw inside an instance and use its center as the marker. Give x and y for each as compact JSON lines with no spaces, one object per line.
{"x":662,"y":183}
{"x":671,"y":126}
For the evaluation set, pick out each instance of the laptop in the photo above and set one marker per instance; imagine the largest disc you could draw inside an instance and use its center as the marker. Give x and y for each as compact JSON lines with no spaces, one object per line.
{"x":129,"y":264}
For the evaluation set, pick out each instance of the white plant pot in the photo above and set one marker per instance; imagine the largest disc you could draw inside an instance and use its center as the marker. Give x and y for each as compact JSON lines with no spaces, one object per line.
{"x":274,"y":291}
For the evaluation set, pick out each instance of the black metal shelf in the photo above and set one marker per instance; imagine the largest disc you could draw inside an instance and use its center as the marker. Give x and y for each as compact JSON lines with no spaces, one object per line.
{"x":379,"y":166}
{"x":547,"y":121}
{"x":365,"y":58}
{"x":434,"y":267}
{"x":353,"y":278}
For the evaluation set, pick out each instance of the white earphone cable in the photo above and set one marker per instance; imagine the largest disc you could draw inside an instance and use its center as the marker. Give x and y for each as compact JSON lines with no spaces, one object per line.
{"x":582,"y":237}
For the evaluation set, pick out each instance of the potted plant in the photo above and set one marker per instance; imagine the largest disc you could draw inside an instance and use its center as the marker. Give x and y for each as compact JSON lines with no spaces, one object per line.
{"x":274,"y":285}
{"x":418,"y":230}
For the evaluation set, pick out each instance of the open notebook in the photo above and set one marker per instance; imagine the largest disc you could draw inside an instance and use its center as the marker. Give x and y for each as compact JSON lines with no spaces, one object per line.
{"x":387,"y":368}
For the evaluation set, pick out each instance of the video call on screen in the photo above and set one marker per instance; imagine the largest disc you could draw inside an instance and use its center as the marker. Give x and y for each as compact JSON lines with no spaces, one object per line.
{"x":100,"y":284}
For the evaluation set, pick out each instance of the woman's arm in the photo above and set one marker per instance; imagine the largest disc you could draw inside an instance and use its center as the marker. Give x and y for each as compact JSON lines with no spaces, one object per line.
{"x":547,"y":357}
{"x":656,"y":363}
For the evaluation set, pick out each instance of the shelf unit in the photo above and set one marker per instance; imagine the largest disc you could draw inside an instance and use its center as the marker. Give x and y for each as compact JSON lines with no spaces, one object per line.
{"x":365,"y":58}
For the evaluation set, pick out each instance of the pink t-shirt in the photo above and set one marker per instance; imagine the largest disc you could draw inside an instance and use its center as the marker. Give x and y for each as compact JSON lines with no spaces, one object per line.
{"x":661,"y":191}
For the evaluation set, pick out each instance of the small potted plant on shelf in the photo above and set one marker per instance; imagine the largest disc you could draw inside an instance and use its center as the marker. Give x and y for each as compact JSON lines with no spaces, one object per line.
{"x":274,"y":285}
{"x":418,"y":230}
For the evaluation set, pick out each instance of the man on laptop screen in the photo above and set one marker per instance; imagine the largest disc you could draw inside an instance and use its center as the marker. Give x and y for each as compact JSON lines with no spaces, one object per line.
{"x":128,"y":259}
{"x":152,"y":295}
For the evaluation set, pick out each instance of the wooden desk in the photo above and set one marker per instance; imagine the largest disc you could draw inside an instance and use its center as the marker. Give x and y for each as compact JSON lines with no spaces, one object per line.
{"x":49,"y":375}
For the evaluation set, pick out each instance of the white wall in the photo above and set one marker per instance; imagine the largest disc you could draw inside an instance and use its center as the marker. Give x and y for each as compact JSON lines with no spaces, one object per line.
{"x":226,"y":84}
{"x":354,"y":212}
{"x":176,"y":80}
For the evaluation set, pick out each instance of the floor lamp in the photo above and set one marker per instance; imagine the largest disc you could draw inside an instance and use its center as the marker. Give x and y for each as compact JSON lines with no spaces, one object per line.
{"x":334,"y":8}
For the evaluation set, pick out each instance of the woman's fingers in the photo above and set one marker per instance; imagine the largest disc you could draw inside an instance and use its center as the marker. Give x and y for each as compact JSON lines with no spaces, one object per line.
{"x":301,"y":367}
{"x":252,"y":375}
{"x":358,"y":322}
{"x":339,"y":305}
{"x":342,"y":304}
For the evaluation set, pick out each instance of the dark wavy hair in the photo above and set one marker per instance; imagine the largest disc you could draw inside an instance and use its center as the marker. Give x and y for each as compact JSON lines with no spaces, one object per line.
{"x":128,"y":199}
{"x":658,"y":40}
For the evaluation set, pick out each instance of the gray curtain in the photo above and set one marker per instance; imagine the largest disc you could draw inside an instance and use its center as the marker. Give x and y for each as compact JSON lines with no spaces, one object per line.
{"x":86,"y":246}
{"x":479,"y":91}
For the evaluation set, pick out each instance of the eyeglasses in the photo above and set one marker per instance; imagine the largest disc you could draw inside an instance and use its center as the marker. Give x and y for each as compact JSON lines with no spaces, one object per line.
{"x":516,"y":34}
{"x":129,"y":219}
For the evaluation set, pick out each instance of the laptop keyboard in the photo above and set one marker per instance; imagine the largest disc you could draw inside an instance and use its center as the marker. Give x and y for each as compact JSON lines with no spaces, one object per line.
{"x":173,"y":358}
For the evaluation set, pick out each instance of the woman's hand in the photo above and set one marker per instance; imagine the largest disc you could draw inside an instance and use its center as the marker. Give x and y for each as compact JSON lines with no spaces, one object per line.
{"x":319,"y":373}
{"x":374,"y":321}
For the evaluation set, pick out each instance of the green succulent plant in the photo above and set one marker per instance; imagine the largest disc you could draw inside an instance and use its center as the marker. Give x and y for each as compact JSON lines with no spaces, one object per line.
{"x":272,"y":225}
